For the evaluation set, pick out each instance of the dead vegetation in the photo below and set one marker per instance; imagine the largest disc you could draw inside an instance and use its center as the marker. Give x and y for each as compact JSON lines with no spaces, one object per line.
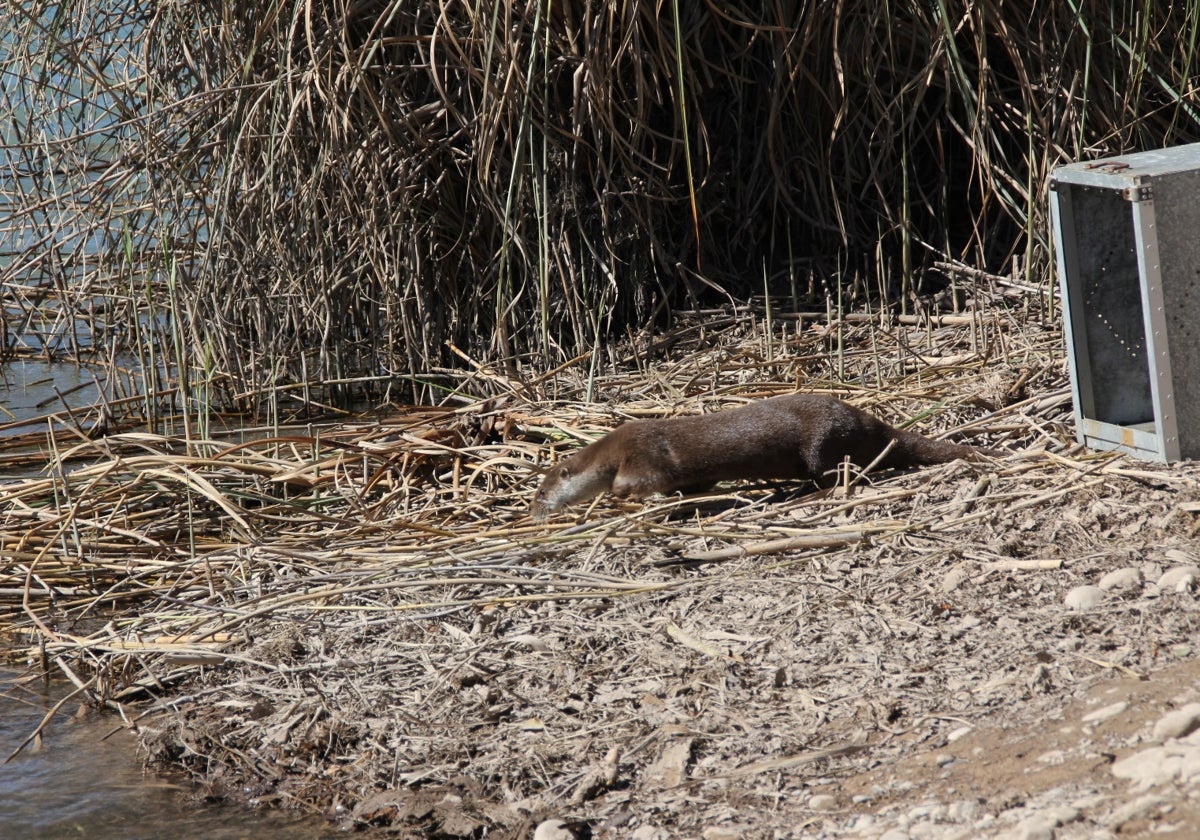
{"x":361,"y":619}
{"x":348,"y":195}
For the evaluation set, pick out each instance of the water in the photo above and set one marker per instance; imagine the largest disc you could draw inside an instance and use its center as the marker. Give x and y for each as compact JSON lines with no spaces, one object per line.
{"x":32,"y":388}
{"x":78,"y":783}
{"x":80,"y":786}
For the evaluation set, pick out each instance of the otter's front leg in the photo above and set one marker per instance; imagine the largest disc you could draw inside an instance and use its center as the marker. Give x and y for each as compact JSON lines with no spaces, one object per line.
{"x":636,"y":482}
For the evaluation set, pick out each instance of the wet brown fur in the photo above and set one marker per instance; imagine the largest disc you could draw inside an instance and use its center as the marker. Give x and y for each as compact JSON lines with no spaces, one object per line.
{"x":798,"y":436}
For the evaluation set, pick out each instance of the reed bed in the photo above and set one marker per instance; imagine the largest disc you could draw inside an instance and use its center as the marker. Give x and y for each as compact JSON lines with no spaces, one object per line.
{"x":359,"y":618}
{"x":343,"y":193}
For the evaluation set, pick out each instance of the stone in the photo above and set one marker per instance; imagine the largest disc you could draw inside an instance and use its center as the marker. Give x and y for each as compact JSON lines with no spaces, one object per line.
{"x":822,"y":802}
{"x":1103,"y":714}
{"x":864,"y":823}
{"x":1178,"y":723}
{"x":1158,"y":766}
{"x":1179,"y":557}
{"x":1052,"y":758}
{"x":925,"y":812}
{"x":1140,"y":807}
{"x":1084,"y":598}
{"x":1041,"y":824}
{"x":720,"y":833}
{"x":1121,"y":578}
{"x":1180,"y":578}
{"x":954,"y":579}
{"x":650,"y":832}
{"x":964,"y":810}
{"x":554,"y":830}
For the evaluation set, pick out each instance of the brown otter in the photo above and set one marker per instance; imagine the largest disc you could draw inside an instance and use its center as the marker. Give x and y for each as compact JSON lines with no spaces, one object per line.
{"x":797,"y":436}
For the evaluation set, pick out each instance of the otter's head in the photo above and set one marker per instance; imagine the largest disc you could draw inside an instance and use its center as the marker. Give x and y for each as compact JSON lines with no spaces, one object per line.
{"x":554,"y":494}
{"x":567,"y":483}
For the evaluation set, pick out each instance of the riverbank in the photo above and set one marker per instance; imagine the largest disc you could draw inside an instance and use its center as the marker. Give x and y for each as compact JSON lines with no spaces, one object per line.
{"x":361,"y":620}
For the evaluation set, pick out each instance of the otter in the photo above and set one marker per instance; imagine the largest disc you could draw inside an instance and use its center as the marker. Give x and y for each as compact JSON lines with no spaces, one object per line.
{"x":796,"y":436}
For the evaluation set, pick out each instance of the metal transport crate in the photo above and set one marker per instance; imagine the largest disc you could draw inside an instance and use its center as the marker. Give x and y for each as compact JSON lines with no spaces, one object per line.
{"x":1127,"y":239}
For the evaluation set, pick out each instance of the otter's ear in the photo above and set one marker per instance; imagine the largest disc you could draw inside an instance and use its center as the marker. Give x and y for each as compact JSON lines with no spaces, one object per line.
{"x":564,"y":471}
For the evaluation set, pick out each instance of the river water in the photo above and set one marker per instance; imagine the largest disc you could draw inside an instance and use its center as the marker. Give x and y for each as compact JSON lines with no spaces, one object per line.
{"x":78,"y":783}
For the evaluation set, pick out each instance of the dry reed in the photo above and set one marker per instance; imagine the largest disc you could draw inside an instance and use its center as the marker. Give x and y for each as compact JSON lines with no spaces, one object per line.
{"x":336,"y":194}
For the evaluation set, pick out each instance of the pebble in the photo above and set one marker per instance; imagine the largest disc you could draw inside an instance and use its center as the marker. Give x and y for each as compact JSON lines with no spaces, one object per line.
{"x":1041,"y":825}
{"x":987,"y":821}
{"x":650,"y":832}
{"x":1083,"y":598}
{"x":1179,"y":578}
{"x":1139,"y":807}
{"x":1160,"y":765}
{"x":954,"y":579}
{"x":1089,"y":802}
{"x":1109,"y":711}
{"x":822,"y":802}
{"x":554,"y":830}
{"x":1121,"y":578}
{"x":1179,"y":557}
{"x":717,"y":833}
{"x":964,"y":810}
{"x":530,"y":641}
{"x":959,"y":733}
{"x":864,"y":824}
{"x":925,"y":812}
{"x":1178,"y":723}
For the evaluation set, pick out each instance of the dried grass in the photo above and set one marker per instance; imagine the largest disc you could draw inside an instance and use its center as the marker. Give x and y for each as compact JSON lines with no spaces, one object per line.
{"x":464,"y":203}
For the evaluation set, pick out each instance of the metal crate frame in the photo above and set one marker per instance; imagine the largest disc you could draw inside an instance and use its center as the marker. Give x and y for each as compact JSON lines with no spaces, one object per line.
{"x":1120,"y":333}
